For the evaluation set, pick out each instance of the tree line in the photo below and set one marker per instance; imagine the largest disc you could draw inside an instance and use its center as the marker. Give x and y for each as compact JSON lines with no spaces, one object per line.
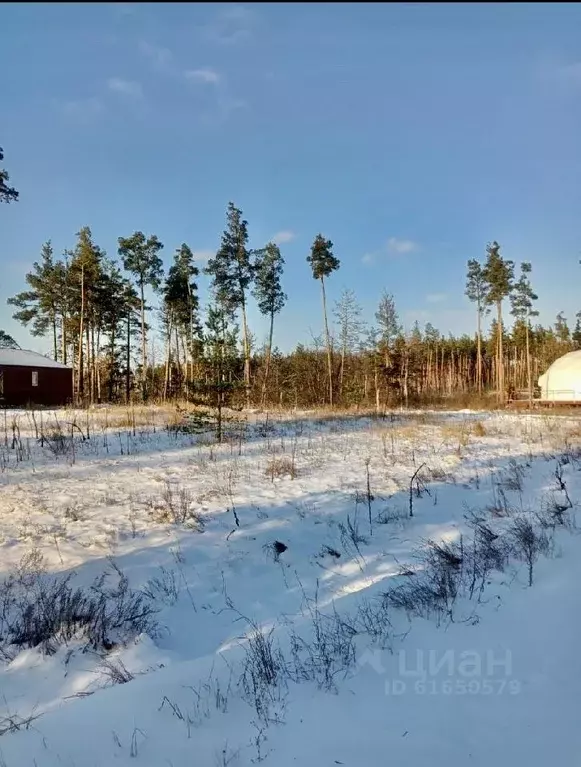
{"x":95,"y":311}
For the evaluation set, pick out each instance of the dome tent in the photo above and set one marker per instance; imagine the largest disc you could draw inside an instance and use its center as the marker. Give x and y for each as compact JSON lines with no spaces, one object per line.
{"x":562,"y":381}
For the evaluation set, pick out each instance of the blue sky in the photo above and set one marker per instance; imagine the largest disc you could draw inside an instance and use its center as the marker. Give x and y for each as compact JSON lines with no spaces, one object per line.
{"x":408,"y":134}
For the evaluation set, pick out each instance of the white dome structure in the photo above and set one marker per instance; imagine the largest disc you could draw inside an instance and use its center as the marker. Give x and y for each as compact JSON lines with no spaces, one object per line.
{"x":562,"y":381}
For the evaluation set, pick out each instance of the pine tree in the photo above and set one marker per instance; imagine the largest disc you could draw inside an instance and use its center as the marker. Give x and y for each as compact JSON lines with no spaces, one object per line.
{"x":39,"y":306}
{"x":7,"y":342}
{"x":389,"y":331}
{"x":180,"y":296}
{"x":7,"y":193}
{"x":522,"y":309}
{"x":498,"y":275}
{"x":85,"y":271}
{"x":576,"y":335}
{"x":323,"y":264}
{"x":220,"y":357}
{"x":347,"y":313}
{"x":562,"y":329}
{"x":269,"y":295}
{"x":233,"y":273}
{"x":141,"y":259}
{"x":117,"y":300}
{"x":476,"y":292}
{"x":132,"y":327}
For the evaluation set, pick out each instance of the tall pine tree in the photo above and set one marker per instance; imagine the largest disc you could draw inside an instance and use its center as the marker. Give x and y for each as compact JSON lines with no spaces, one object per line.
{"x":269,"y":295}
{"x":347,"y":312}
{"x":522,"y":302}
{"x":39,"y":307}
{"x":323,"y":264}
{"x":476,"y":292}
{"x":180,"y":297}
{"x":498,"y":275}
{"x":232,"y":272}
{"x":140,"y":256}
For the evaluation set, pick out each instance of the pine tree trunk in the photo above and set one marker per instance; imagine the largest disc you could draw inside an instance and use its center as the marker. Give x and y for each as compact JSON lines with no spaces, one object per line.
{"x":267,"y":364}
{"x":529,"y":370}
{"x":54,"y":338}
{"x":342,"y":371}
{"x":112,"y":364}
{"x":328,"y":343}
{"x":479,"y":352}
{"x":93,"y":364}
{"x":246,"y":353}
{"x":97,"y":366}
{"x":88,"y":361}
{"x":81,"y":382}
{"x":143,"y":345}
{"x":167,"y":361}
{"x":128,"y":360}
{"x":406,"y":371}
{"x":190,"y":377}
{"x":500,"y":355}
{"x":178,"y":361}
{"x":64,"y":339}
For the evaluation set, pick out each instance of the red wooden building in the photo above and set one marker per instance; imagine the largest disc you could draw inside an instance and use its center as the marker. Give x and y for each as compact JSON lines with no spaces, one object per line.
{"x":28,"y":378}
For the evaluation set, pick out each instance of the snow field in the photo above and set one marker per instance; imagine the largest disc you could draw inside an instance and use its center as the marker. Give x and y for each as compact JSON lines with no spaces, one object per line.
{"x":255,"y":653}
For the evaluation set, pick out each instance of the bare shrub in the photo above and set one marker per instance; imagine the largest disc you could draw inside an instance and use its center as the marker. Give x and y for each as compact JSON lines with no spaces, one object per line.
{"x":432,"y":590}
{"x":116,"y":671}
{"x":328,"y":650}
{"x":528,"y":543}
{"x":373,"y":619}
{"x":438,"y":474}
{"x":556,"y":513}
{"x":209,"y":696}
{"x":262,"y":674}
{"x":163,"y":588}
{"x":351,"y":537}
{"x":500,"y":506}
{"x":513,"y":477}
{"x":281,"y":467}
{"x":392,"y":515}
{"x":478,"y":429}
{"x":15,"y":723}
{"x":489,"y":552}
{"x":177,"y":507}
{"x":58,"y":443}
{"x":329,"y":551}
{"x":37,"y":610}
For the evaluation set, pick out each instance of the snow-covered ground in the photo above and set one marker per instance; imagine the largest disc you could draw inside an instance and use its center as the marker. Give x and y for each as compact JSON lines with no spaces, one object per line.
{"x":296,"y":656}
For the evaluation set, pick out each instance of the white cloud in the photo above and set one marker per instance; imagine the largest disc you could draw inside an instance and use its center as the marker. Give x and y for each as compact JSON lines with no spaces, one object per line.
{"x":368,"y":259}
{"x":436,"y":298}
{"x":203,"y":256}
{"x":125,"y":87}
{"x":285,"y":236}
{"x":203,"y":75}
{"x":395,"y":245}
{"x":161,"y":58}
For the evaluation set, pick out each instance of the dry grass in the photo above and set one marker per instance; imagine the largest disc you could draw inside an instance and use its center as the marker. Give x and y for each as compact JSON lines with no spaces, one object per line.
{"x":281,"y":467}
{"x":456,"y":432}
